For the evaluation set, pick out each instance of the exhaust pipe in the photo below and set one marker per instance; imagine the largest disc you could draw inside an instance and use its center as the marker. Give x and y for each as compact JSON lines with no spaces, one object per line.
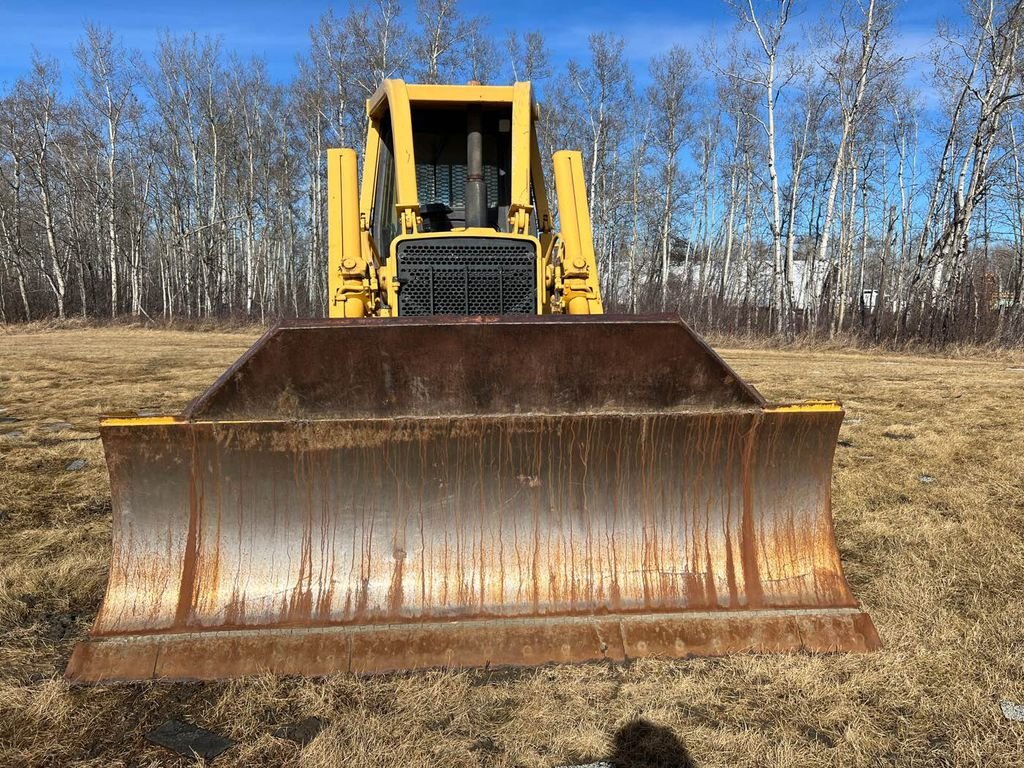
{"x":476,"y":188}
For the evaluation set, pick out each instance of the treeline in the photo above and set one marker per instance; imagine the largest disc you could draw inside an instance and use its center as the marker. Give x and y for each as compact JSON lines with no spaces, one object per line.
{"x":790,"y":174}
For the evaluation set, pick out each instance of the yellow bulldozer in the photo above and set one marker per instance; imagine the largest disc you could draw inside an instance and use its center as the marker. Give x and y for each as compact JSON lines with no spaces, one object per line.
{"x":468,"y":463}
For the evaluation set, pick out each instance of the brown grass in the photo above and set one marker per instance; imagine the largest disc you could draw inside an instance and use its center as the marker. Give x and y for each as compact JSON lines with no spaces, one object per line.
{"x":940,"y":566}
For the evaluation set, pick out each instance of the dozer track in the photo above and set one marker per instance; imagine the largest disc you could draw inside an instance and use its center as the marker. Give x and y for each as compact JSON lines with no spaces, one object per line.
{"x":387,"y":494}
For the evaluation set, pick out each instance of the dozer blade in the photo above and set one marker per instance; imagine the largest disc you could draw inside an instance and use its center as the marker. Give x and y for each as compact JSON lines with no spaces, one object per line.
{"x":376,"y":495}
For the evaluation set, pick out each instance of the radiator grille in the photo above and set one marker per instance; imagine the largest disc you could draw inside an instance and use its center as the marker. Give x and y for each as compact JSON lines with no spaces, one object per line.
{"x":467,"y":276}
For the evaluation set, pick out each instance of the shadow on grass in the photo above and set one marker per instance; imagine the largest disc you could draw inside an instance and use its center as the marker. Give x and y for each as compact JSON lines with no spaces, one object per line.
{"x":643,"y":744}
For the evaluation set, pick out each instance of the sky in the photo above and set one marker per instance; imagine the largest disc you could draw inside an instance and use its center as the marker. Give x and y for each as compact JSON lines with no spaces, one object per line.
{"x":278,"y":31}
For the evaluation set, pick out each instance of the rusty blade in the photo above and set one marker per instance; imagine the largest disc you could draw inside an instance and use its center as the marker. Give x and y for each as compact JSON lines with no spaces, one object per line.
{"x":390,"y":367}
{"x":496,"y":643}
{"x":377,"y":523}
{"x":391,"y":494}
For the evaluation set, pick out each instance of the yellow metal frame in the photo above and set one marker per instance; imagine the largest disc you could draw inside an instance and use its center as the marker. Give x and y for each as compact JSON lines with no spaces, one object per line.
{"x":139,"y":421}
{"x":350,"y":281}
{"x":577,"y":273}
{"x":520,"y":206}
{"x":808,"y":406}
{"x":360,"y":285}
{"x":379,"y":103}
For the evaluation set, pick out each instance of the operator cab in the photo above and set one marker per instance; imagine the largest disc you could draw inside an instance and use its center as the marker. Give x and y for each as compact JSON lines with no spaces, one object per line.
{"x":449,"y":141}
{"x":451,"y":236}
{"x":441,"y":147}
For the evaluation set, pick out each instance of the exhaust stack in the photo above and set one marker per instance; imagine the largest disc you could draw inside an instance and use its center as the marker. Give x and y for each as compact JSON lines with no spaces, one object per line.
{"x":476,"y":187}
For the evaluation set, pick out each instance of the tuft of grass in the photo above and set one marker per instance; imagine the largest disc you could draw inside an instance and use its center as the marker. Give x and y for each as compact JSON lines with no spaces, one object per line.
{"x":939,"y":563}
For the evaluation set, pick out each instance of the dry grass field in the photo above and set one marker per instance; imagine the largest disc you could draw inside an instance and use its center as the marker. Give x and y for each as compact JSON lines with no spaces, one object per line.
{"x":929,"y":508}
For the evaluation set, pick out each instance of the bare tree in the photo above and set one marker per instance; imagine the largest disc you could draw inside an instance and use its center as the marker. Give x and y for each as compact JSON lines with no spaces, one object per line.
{"x":528,"y":56}
{"x":108,"y":85}
{"x":14,"y":149}
{"x":806,"y":121}
{"x":672,"y":76}
{"x":769,"y":28}
{"x":603,"y":91}
{"x":36,"y":100}
{"x":331,"y":52}
{"x":480,"y":52}
{"x":378,"y":43}
{"x":438,"y":46}
{"x":981,"y":68}
{"x":854,"y":65}
{"x":755,"y":195}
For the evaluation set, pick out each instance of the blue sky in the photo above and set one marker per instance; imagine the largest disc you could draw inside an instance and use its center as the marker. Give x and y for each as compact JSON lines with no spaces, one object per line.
{"x":278,"y":31}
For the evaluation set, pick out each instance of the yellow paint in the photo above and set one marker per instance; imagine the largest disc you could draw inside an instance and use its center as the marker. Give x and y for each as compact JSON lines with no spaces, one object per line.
{"x":165,"y":421}
{"x":139,"y":421}
{"x":581,"y":292}
{"x":334,"y":237}
{"x":377,"y":104}
{"x":407,"y":200}
{"x":461,"y":232}
{"x":371,"y":158}
{"x":347,"y":273}
{"x":545,"y":227}
{"x":544,"y":222}
{"x":809,"y":406}
{"x":520,"y":206}
{"x":349,"y":277}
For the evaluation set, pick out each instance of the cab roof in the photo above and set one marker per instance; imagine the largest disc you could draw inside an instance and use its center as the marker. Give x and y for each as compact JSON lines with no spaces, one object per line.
{"x":376,"y":105}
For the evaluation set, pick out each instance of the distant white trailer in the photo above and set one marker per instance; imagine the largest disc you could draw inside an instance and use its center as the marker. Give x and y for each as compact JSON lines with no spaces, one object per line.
{"x":869,"y":299}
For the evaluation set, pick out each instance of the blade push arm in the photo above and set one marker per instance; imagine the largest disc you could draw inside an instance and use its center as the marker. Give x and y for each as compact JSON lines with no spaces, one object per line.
{"x":576,"y":271}
{"x":352,"y":284}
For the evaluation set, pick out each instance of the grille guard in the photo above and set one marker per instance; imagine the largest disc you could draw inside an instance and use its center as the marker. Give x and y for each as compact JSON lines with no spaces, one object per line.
{"x":460,"y":275}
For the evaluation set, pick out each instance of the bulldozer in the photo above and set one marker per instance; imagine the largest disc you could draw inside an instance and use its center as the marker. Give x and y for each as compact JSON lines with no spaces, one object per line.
{"x":468,"y":463}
